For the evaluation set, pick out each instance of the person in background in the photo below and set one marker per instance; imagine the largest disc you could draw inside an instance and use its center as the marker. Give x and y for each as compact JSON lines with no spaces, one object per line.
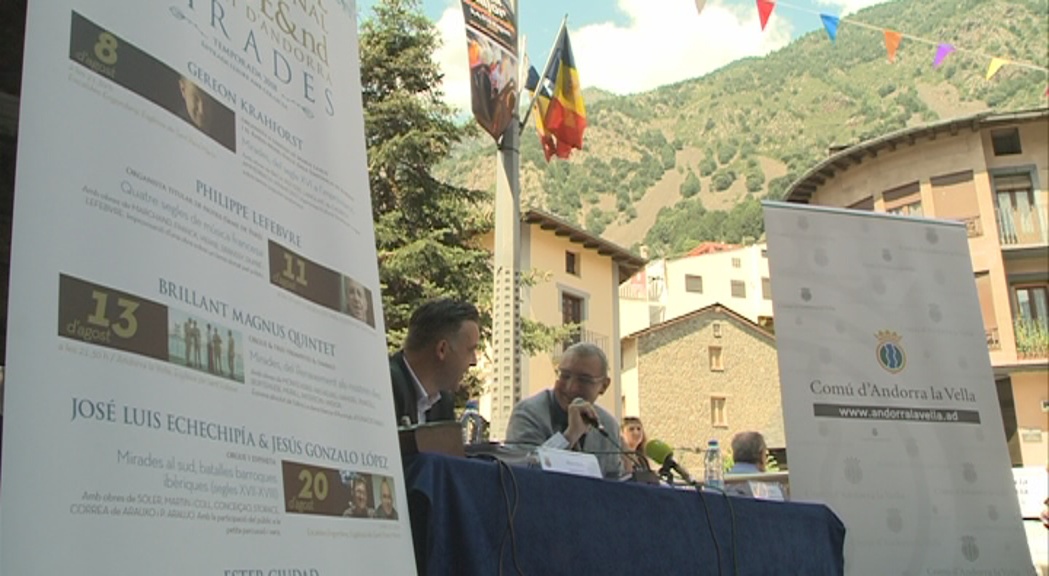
{"x":633,"y":437}
{"x":440,"y":347}
{"x":749,"y":453}
{"x":563,"y":417}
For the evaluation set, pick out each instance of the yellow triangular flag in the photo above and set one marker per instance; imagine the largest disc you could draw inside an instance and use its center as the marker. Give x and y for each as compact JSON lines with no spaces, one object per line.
{"x":996,"y":65}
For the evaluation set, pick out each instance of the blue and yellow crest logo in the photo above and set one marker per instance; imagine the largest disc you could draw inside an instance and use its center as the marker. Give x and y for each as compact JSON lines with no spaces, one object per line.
{"x":889,"y":352}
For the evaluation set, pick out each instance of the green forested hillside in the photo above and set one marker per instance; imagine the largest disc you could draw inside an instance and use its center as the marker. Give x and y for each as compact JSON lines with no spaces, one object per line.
{"x":687,"y":162}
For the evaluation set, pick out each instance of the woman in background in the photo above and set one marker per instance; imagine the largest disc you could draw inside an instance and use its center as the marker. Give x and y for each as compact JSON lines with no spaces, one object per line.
{"x":633,"y":434}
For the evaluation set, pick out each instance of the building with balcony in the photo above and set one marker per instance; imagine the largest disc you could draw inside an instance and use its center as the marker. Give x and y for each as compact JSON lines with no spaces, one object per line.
{"x":734,"y":277}
{"x":990,"y":171}
{"x":576,"y":282}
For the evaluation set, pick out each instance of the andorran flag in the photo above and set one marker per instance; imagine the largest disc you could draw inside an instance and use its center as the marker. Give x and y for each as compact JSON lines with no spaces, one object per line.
{"x":560,"y":114}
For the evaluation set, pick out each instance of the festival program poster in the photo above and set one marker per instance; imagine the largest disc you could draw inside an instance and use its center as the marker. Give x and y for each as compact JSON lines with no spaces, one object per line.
{"x":890,"y":409}
{"x":491,"y":40}
{"x":196,"y":374}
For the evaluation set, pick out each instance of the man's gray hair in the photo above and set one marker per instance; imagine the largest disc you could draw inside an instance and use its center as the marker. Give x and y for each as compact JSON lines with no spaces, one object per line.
{"x":588,"y":350}
{"x":747,"y":447}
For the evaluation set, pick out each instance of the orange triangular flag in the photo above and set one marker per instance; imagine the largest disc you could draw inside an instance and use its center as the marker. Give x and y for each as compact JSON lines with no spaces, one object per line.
{"x":892,"y":42}
{"x":996,"y":65}
{"x":764,"y":11}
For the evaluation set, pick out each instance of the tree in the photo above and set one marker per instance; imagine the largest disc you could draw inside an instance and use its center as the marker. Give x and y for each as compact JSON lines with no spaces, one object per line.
{"x":427,"y":232}
{"x":691,"y":186}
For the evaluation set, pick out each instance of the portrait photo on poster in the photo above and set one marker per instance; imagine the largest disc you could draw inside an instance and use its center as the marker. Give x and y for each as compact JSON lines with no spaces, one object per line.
{"x":357,"y":301}
{"x":111,"y":57}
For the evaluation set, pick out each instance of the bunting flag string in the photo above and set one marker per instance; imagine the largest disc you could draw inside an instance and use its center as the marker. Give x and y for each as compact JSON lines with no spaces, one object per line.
{"x":765,"y":8}
{"x":996,"y":64}
{"x":892,"y":42}
{"x":942,"y":52}
{"x":830,"y":24}
{"x":893,"y":38}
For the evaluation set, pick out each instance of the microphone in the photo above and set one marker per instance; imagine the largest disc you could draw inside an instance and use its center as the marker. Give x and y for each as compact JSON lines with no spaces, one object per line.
{"x":587,"y":417}
{"x":663,"y":455}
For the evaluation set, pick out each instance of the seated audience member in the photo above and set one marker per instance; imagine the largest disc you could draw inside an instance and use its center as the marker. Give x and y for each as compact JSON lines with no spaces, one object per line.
{"x":749,"y":453}
{"x":440,"y":347}
{"x":633,"y":437}
{"x":558,"y":417}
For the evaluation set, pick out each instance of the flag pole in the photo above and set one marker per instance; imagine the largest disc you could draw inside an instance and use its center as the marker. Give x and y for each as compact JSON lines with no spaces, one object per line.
{"x":549,"y":61}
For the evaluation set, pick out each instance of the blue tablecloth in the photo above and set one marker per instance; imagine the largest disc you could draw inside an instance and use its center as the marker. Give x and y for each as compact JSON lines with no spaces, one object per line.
{"x":583,"y":526}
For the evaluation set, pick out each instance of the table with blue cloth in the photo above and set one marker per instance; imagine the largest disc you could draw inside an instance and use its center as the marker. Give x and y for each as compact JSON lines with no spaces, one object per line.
{"x":581,"y":526}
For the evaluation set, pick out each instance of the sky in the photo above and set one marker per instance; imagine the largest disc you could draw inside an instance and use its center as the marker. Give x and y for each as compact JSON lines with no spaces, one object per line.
{"x":631,"y":46}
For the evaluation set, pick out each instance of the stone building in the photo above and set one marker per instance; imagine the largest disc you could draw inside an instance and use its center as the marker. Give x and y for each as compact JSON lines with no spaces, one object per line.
{"x":707,"y":374}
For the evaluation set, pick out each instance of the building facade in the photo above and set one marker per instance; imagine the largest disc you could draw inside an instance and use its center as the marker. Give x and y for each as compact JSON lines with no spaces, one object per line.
{"x":736,"y":277}
{"x":575,"y":280}
{"x":707,"y":374}
{"x":990,"y":171}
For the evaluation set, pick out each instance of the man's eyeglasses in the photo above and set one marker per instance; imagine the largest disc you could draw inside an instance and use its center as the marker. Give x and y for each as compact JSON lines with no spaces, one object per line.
{"x":584,"y":379}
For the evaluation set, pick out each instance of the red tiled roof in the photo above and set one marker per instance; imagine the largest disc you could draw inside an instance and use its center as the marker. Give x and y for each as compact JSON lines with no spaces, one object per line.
{"x":711,"y":248}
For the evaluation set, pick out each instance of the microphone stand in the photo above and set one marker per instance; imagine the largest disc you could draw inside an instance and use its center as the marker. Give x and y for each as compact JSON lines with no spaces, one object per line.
{"x":667,"y":474}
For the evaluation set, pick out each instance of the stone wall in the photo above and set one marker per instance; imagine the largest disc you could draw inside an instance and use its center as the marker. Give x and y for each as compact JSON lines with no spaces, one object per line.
{"x":675,"y":384}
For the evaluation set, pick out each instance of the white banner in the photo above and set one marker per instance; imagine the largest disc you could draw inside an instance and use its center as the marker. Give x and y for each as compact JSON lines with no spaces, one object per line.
{"x":197,"y":379}
{"x":890,"y":409}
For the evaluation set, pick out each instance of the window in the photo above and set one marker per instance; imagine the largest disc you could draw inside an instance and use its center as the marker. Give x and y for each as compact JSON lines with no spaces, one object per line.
{"x":571,"y":309}
{"x":1032,"y":321}
{"x":867,"y":204}
{"x":718,"y":412}
{"x":717,"y":329}
{"x":736,"y":263}
{"x":1032,"y":303}
{"x":739,"y":289}
{"x":572,"y":263}
{"x":1021,"y":210}
{"x":905,"y":200}
{"x":990,"y":323}
{"x":766,"y":289}
{"x":716,"y":363}
{"x":954,"y":196}
{"x":764,"y":253}
{"x":1006,"y":142}
{"x":693,"y":284}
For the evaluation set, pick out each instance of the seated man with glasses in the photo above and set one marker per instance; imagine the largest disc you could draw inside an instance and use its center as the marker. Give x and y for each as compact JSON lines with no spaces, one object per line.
{"x":558,"y":417}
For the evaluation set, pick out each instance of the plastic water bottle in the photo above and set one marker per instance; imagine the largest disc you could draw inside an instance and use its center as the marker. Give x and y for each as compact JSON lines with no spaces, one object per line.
{"x":473,"y":424}
{"x":714,"y":474}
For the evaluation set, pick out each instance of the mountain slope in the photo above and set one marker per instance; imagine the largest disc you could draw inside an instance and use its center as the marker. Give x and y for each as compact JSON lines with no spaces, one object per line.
{"x":747,"y":130}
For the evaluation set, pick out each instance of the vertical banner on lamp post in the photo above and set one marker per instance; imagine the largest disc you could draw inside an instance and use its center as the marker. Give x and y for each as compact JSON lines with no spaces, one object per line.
{"x":491,"y":38}
{"x":890,"y":407}
{"x":196,"y":362}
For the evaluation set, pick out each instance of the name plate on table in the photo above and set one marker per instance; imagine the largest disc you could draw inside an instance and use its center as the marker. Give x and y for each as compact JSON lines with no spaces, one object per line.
{"x":566,"y":462}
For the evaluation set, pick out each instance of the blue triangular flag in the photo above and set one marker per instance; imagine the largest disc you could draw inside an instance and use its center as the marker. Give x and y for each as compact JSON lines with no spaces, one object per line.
{"x":831,"y":24}
{"x":533,"y":79}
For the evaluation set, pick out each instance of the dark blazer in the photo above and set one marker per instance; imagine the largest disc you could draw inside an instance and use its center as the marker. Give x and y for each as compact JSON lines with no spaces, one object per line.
{"x":406,"y":396}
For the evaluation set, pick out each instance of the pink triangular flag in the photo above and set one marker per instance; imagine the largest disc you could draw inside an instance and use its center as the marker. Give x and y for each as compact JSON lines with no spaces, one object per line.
{"x":892,"y":42}
{"x":942,"y":51}
{"x":764,"y":11}
{"x":996,"y":65}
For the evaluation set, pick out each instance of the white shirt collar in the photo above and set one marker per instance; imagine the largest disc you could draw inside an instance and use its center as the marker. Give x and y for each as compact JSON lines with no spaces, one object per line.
{"x":425,"y":400}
